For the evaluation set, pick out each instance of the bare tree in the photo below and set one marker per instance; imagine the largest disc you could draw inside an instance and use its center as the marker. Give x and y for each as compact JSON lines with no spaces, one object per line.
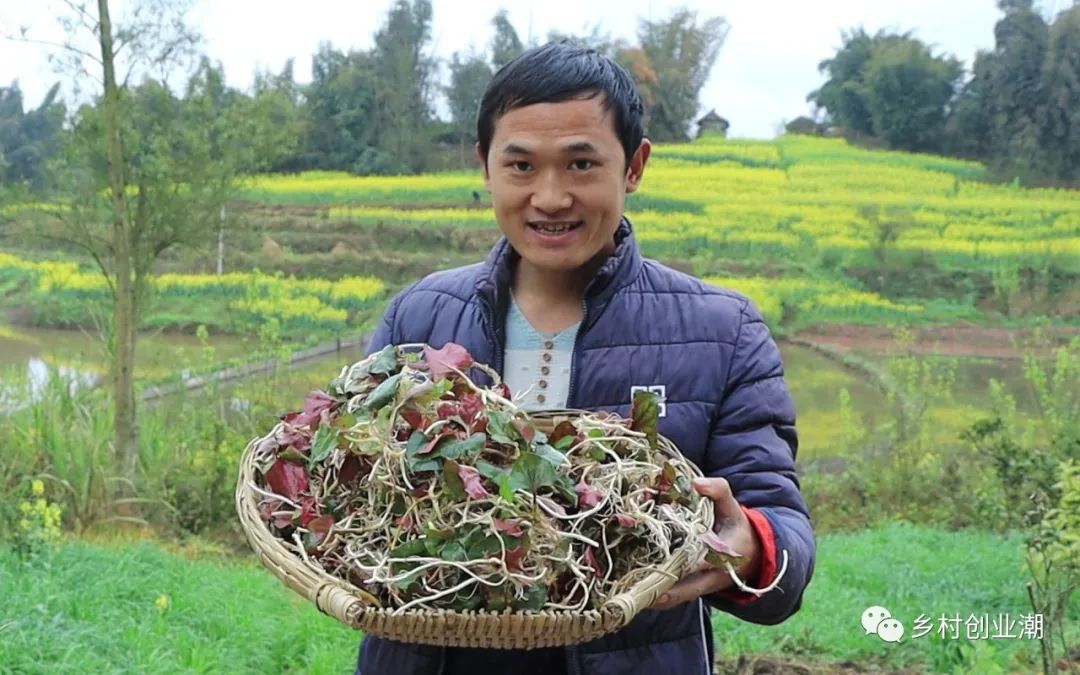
{"x":152,"y":42}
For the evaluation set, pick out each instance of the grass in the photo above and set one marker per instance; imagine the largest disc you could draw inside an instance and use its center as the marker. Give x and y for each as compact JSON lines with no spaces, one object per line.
{"x":910,"y":570}
{"x":91,"y":608}
{"x":88,"y":608}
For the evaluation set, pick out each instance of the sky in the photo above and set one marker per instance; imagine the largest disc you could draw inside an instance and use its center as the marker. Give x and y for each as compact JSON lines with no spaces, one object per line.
{"x":767,"y":65}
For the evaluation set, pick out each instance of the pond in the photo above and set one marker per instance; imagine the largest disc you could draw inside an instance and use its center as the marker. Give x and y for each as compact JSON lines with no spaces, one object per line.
{"x":824,"y":423}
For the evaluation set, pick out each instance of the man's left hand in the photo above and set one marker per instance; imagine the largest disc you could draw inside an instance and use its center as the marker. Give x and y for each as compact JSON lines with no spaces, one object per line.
{"x":731,"y":525}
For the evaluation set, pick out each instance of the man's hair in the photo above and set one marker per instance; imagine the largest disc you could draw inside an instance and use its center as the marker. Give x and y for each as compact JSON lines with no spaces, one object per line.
{"x":557,"y":72}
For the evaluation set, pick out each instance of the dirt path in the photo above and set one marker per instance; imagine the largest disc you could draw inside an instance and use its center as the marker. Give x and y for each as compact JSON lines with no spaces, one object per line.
{"x":976,"y":341}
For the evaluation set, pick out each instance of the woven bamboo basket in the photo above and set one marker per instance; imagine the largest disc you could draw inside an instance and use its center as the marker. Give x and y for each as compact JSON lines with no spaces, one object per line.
{"x":500,"y":630}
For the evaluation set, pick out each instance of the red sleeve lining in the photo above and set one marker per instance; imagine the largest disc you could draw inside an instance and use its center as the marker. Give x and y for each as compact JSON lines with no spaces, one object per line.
{"x":767,"y":567}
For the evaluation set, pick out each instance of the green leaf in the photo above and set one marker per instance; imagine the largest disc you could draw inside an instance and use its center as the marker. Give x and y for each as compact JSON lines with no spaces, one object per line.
{"x":386,"y":362}
{"x":565,"y":443}
{"x":454,"y":485}
{"x":383,"y":394}
{"x":501,"y":429}
{"x":326,"y":439}
{"x":425,"y":465}
{"x":550,"y":454}
{"x":345,"y":421}
{"x":434,"y":534}
{"x":415,"y":461}
{"x":435,"y":539}
{"x":565,"y":485}
{"x":408,"y":581}
{"x":293,"y":455}
{"x":416,"y":441}
{"x":505,"y":490}
{"x":462,"y":448}
{"x":497,"y":600}
{"x":645,"y":415}
{"x":535,"y":599}
{"x":410,"y":548}
{"x":440,"y":389}
{"x":488,"y":470}
{"x":532,"y":472}
{"x":467,"y":602}
{"x":489,"y":545}
{"x":454,"y":551}
{"x":563,"y":435}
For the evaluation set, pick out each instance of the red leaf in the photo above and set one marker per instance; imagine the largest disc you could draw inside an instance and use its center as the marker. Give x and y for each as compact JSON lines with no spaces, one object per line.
{"x":561,"y":430}
{"x":472,"y":407}
{"x":593,"y":562}
{"x":407,"y":523}
{"x":713,"y":541}
{"x":317,"y":403}
{"x":321,"y":526}
{"x":552,"y":505}
{"x":626,"y":521}
{"x":445,"y":432}
{"x":298,"y":438}
{"x":666,"y":480}
{"x":442,"y":361}
{"x":280,"y":520}
{"x":309,"y":511}
{"x":513,"y":558}
{"x":287,"y":479}
{"x":448,"y":409}
{"x":509,"y":527}
{"x":588,"y":496}
{"x":415,"y":419}
{"x":527,"y":431}
{"x":471,"y":478}
{"x":350,"y":469}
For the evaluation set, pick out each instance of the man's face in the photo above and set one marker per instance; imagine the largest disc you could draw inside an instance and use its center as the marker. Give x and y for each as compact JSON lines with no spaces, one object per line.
{"x":558,"y":179}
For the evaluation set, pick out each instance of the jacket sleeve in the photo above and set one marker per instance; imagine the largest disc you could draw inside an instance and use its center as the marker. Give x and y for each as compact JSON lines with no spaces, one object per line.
{"x":386,"y":333}
{"x":753,"y":444}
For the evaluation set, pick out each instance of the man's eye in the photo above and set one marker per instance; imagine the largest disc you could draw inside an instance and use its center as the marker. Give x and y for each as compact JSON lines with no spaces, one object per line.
{"x":583,"y":164}
{"x":521,"y":166}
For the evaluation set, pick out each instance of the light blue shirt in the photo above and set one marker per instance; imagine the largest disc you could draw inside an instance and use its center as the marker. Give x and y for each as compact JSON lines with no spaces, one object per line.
{"x":536,"y":366}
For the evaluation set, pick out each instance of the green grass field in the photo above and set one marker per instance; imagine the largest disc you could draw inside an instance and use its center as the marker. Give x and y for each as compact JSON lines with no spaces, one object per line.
{"x":135,"y":608}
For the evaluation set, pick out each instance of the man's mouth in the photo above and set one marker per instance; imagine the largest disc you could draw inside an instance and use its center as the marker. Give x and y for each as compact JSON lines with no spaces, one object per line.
{"x":555,"y":228}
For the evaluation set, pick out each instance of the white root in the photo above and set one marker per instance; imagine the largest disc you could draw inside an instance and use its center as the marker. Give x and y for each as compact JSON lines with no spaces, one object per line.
{"x":757,"y":591}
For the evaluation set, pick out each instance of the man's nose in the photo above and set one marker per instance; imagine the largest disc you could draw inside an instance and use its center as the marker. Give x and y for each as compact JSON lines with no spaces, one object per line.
{"x":551,"y":196}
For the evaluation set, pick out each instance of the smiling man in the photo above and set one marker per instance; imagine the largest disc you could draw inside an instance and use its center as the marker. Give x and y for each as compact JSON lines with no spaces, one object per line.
{"x":571,"y":314}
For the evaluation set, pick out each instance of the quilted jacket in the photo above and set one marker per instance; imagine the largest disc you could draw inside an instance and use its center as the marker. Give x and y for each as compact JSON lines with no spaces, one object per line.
{"x":727,"y":407}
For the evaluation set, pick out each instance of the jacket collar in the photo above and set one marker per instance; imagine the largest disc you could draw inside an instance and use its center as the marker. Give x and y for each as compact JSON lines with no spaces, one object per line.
{"x":621,"y":267}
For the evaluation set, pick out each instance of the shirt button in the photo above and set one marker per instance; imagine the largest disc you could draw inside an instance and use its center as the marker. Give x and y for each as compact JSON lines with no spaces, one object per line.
{"x":544,"y":370}
{"x":543,"y":384}
{"x":547,"y":357}
{"x":548,"y":344}
{"x":540,"y":398}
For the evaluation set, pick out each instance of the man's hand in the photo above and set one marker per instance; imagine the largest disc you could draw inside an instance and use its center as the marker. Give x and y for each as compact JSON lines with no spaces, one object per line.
{"x":731,"y":525}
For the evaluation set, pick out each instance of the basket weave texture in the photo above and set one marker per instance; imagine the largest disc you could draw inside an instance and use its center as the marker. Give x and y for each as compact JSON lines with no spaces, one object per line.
{"x":502,"y":630}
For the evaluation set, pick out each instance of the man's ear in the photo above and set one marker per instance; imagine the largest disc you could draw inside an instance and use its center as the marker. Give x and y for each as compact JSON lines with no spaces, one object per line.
{"x":483,"y":162}
{"x":636,"y":170}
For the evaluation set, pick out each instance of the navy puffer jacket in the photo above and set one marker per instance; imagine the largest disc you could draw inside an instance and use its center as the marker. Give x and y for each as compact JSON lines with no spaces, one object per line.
{"x":728,"y":409}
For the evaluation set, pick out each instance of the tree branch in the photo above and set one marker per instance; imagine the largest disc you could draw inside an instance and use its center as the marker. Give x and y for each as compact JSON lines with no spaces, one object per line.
{"x":89,"y":249}
{"x":49,"y":43}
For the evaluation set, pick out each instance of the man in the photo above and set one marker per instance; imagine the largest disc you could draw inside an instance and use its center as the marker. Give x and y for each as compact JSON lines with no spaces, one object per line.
{"x":572,"y":316}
